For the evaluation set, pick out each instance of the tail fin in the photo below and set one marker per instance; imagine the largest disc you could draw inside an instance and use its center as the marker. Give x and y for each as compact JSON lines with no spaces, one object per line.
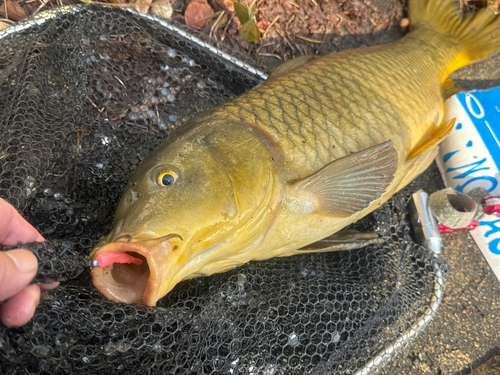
{"x":479,"y":34}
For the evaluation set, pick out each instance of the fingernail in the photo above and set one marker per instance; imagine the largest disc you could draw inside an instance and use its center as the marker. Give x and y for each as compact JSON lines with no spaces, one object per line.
{"x":25,"y":260}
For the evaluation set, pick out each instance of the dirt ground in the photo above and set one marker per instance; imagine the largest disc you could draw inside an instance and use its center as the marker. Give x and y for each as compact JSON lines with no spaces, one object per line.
{"x":464,"y":334}
{"x":492,"y":367}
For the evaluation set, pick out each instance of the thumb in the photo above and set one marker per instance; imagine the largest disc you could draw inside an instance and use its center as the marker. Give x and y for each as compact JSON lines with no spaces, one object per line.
{"x":17,"y":269}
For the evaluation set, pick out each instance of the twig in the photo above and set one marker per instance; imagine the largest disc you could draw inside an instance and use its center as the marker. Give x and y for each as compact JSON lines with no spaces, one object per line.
{"x":91,"y":102}
{"x":44,"y":2}
{"x":272,"y":23}
{"x":215,"y":24}
{"x":309,"y":39}
{"x":290,"y":20}
{"x":227,"y":25}
{"x":267,"y":44}
{"x":302,"y":49}
{"x":277,"y":46}
{"x":118,"y":79}
{"x":483,"y":281}
{"x":285,"y":39}
{"x":264,"y":34}
{"x":7,"y":21}
{"x":221,"y":4}
{"x":315,"y":3}
{"x":270,"y":55}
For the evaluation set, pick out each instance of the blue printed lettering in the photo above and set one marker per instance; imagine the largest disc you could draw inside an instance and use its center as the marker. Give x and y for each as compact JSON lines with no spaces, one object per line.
{"x":493,"y":246}
{"x":468,"y":101}
{"x":491,"y":224}
{"x":448,"y":155}
{"x":494,"y":183}
{"x":469,"y":171}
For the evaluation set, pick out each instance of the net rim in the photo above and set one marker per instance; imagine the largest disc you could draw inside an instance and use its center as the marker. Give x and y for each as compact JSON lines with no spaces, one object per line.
{"x":40,"y":18}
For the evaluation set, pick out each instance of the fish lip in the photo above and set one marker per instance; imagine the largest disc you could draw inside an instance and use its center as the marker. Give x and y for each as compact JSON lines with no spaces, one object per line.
{"x":131,"y":283}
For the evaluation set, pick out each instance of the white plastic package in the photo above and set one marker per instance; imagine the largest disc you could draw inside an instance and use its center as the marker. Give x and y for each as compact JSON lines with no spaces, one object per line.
{"x":469,"y":158}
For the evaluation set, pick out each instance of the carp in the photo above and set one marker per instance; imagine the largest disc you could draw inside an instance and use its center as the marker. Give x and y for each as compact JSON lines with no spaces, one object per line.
{"x":282,"y":168}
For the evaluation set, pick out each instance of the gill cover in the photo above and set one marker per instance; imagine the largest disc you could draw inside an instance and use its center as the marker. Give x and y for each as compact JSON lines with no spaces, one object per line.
{"x":222,"y":193}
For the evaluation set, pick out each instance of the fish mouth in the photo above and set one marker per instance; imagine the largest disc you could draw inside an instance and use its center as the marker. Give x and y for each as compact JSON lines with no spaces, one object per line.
{"x":132,"y":272}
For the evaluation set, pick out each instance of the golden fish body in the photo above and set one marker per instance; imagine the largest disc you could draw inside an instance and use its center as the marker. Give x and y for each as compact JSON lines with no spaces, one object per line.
{"x":344,"y":103}
{"x":292,"y":161}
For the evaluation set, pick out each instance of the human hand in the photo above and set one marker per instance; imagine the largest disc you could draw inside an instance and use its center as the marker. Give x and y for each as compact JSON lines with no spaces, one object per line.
{"x":17,"y":269}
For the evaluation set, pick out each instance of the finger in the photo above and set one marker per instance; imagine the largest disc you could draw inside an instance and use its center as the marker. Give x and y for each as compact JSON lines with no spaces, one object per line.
{"x":20,"y":308}
{"x":17,"y":269}
{"x":49,"y":286}
{"x":13,"y":228}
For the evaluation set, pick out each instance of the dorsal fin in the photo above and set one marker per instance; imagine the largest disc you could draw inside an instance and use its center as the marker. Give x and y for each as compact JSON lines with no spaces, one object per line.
{"x":290,"y":65}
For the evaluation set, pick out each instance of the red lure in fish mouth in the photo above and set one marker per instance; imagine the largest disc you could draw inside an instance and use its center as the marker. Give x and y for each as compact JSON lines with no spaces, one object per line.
{"x":106,"y":258}
{"x":131,"y":272}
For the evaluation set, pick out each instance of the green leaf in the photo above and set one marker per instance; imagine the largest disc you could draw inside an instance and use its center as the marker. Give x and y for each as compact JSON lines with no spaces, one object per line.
{"x":252,"y":9}
{"x":250,"y":32}
{"x":242,"y":13}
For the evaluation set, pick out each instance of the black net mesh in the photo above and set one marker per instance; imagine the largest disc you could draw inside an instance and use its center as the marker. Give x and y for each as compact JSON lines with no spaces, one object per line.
{"x":85,"y":94}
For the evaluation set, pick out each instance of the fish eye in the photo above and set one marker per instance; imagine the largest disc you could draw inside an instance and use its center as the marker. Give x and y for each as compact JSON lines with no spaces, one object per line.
{"x":167,"y":178}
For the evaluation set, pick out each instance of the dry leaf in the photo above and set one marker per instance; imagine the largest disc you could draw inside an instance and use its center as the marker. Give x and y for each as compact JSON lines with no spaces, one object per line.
{"x":263,"y":24}
{"x":12,"y":11}
{"x":144,"y":7}
{"x":163,"y":10}
{"x":198,"y":13}
{"x":3,"y":25}
{"x":229,"y":4}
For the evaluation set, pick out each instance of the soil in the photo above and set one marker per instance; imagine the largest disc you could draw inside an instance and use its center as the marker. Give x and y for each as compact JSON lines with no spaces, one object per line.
{"x":309,"y":27}
{"x":464,"y":332}
{"x":492,"y":367}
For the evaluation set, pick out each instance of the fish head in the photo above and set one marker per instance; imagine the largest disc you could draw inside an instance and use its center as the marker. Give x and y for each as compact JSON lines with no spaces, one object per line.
{"x":188,"y":210}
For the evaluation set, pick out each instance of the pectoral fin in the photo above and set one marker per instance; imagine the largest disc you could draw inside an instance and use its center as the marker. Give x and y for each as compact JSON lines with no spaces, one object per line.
{"x":349,"y":239}
{"x":348,"y":185}
{"x":435,"y":137}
